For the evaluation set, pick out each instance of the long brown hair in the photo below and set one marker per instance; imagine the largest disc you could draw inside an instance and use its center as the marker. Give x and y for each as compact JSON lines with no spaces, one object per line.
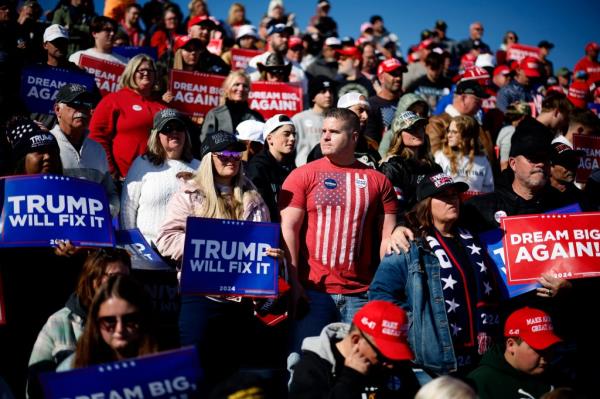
{"x":469,"y":142}
{"x":420,"y":219}
{"x":397,"y":148}
{"x":93,"y":270}
{"x":91,"y":348}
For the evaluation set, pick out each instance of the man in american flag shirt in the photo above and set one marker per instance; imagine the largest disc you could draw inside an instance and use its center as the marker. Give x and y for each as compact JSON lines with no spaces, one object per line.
{"x":336,"y":215}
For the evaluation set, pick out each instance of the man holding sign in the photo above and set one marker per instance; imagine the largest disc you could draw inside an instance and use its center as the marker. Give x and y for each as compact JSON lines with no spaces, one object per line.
{"x":103,"y":30}
{"x":331,"y":211}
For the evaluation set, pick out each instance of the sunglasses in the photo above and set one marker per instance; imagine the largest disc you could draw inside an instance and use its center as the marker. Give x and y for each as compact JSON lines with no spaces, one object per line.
{"x":380,"y":356}
{"x":173,"y":127}
{"x":225,"y":156}
{"x":80,"y":104}
{"x":277,"y":71}
{"x":129,"y":321}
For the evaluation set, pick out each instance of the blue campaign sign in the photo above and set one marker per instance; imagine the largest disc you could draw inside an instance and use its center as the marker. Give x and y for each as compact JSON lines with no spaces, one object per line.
{"x":132,"y":51}
{"x":227,"y":257}
{"x":39,"y":210}
{"x":492,"y":240}
{"x":142,"y":255}
{"x":40,"y":84}
{"x":172,"y":374}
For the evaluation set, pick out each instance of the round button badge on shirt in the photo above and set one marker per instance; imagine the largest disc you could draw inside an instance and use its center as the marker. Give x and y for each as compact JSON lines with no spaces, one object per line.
{"x":136,"y":107}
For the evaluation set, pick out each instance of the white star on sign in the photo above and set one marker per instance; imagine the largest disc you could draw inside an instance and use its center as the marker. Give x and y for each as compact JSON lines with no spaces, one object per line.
{"x":474,"y":249}
{"x":453,"y":305}
{"x":455,"y":329}
{"x":482,"y":265}
{"x":488,"y":287}
{"x":449,"y":282}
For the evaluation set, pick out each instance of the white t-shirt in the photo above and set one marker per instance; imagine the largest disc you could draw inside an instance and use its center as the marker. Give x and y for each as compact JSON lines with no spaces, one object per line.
{"x":92,"y":52}
{"x":479,"y":177}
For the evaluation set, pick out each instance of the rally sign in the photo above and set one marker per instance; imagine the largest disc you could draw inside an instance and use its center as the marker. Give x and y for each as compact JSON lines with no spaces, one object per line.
{"x":565,"y":245}
{"x":271,"y":98}
{"x":215,"y":46}
{"x":228,"y":257}
{"x":142,"y":254}
{"x":519,"y":51}
{"x":41,"y":210}
{"x":172,"y":374}
{"x":591,"y":159}
{"x":131,"y":51}
{"x":40,"y":84}
{"x":195,"y":93}
{"x":240,"y":57}
{"x":106,"y":73}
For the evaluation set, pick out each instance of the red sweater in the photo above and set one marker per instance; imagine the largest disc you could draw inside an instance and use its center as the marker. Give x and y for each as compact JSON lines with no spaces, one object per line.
{"x":121,"y":123}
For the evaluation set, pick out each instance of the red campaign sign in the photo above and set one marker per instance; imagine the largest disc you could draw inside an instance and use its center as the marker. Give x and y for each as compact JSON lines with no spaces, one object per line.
{"x":591,"y":159}
{"x":241,"y":56}
{"x":2,"y":311}
{"x":271,"y":98}
{"x":519,"y":51}
{"x":106,"y":73}
{"x":195,"y":93}
{"x":215,"y":46}
{"x":565,"y":245}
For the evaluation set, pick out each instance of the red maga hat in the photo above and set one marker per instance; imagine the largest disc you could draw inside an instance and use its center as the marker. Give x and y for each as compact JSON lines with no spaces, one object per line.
{"x":532,"y":326}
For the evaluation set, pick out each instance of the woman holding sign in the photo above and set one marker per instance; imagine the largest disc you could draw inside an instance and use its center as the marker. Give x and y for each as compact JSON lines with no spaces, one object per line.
{"x":222,"y":327}
{"x":443,"y":281}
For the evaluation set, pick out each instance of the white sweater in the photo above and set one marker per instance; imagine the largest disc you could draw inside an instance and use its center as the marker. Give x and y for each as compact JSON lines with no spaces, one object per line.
{"x":479,"y":178}
{"x":146,"y":192}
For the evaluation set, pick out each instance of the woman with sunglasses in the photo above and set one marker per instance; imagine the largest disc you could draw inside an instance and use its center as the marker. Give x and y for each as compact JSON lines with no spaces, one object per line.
{"x":443,"y":281}
{"x":275,"y":69}
{"x":221,"y":326}
{"x":122,"y":120}
{"x":234,"y":107}
{"x":119,"y":325}
{"x":152,"y":178}
{"x":58,"y":338}
{"x":461,"y":156}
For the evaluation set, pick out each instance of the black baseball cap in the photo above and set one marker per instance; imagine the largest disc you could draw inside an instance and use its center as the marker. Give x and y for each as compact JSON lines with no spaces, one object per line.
{"x":164,"y":116}
{"x":436,"y":183}
{"x":75,"y":92}
{"x":220,"y":141}
{"x":546,"y":44}
{"x":562,"y":154}
{"x":532,"y":140}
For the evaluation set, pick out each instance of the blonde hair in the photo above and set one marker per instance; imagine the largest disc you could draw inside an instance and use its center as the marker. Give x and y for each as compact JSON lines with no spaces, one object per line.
{"x":216,"y":204}
{"x":468,"y":145}
{"x":446,"y":387}
{"x":193,"y":3}
{"x":397,"y":148}
{"x":230,"y":16}
{"x":228,"y":82}
{"x":436,"y":130}
{"x":127,"y":79}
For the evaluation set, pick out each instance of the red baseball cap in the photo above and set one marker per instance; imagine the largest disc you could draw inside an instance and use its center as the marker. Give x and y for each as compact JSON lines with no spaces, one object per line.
{"x":578,"y":93}
{"x":182,"y":40}
{"x":475,"y":73}
{"x":502,"y":70}
{"x":350,"y":52}
{"x":294,"y":41}
{"x":390,"y":65}
{"x":532,"y":326}
{"x":592,"y":46}
{"x":201,"y":20}
{"x":530,"y":65}
{"x":388,"y":325}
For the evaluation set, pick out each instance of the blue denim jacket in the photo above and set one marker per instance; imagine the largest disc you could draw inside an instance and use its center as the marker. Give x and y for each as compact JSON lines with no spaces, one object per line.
{"x":412,"y":280}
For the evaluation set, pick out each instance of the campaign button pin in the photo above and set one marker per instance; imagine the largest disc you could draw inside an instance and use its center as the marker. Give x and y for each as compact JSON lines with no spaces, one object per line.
{"x":330,"y":184}
{"x":499,"y":215}
{"x":361,"y":183}
{"x":136,"y":107}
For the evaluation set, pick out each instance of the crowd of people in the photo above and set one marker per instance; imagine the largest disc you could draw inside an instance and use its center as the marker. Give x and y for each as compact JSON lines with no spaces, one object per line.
{"x":382,"y":185}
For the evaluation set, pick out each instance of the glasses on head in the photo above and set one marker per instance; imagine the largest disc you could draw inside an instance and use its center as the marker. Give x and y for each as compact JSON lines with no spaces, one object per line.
{"x":225,"y":156}
{"x":172,"y":127}
{"x":129,"y":321}
{"x":145,"y":71}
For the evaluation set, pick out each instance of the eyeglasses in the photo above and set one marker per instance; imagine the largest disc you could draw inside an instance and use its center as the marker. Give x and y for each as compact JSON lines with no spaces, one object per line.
{"x":380,"y":356}
{"x":225,"y":156}
{"x":172,"y":127}
{"x":107,"y":29}
{"x":129,"y":321}
{"x":145,"y":72}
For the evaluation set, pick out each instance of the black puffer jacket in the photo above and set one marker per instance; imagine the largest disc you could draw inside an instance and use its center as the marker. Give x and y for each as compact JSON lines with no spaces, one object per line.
{"x":403,"y":174}
{"x":268,"y":176}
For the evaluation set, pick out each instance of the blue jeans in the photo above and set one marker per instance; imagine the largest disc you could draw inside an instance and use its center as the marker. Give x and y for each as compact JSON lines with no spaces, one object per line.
{"x":323,"y":309}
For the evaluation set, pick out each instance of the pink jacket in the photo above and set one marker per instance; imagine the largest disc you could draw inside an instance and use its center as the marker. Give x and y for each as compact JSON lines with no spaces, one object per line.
{"x":187,"y":202}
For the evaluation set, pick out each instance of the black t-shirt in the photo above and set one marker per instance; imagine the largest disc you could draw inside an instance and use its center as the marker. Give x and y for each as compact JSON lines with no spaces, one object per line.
{"x":381,"y":115}
{"x":430,"y":91}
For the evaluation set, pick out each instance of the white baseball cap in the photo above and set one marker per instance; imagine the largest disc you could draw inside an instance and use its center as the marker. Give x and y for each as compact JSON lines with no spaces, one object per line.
{"x":246,"y":30}
{"x":54,"y":32}
{"x":250,"y":130}
{"x":275,"y":122}
{"x":352,"y":98}
{"x":333,"y":42}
